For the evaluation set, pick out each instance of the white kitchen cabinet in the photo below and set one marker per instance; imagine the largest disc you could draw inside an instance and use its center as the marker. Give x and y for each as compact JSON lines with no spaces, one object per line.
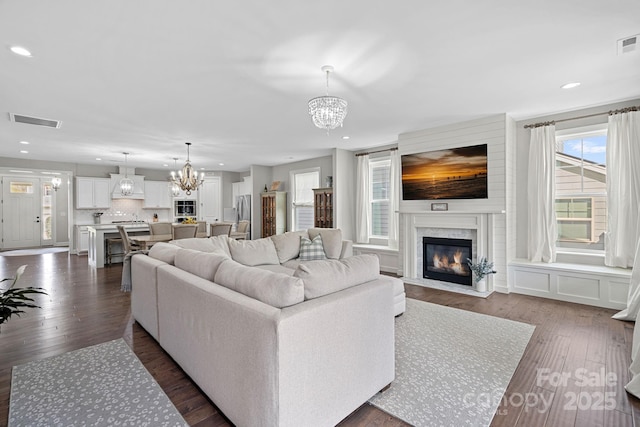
{"x":156,"y":195}
{"x":93,"y":193}
{"x":82,"y":239}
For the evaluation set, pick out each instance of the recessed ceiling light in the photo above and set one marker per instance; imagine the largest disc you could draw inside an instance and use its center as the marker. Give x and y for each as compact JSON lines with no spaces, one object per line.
{"x":220,"y":164}
{"x":165,"y":165}
{"x":345,"y":137}
{"x":24,"y":151}
{"x":19,"y":50}
{"x":24,"y":142}
{"x":570,"y":85}
{"x":201,"y":169}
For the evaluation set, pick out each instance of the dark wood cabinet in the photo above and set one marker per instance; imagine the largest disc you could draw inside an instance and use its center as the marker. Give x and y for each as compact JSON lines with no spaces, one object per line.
{"x":323,"y":207}
{"x":274,"y":213}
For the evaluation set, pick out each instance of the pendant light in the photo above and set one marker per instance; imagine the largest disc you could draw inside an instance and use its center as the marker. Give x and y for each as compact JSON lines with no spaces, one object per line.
{"x":187,"y":179}
{"x":126,"y":184}
{"x":327,"y":112}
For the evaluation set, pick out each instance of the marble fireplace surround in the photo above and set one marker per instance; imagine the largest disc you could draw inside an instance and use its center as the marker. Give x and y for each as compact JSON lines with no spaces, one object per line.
{"x":477,"y":226}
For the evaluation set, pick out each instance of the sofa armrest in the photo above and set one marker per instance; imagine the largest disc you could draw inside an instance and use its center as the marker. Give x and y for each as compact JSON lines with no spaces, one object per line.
{"x":347,"y":249}
{"x":144,"y":292}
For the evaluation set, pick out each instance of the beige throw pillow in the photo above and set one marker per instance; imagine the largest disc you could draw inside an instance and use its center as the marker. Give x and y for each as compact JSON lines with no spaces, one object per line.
{"x":288,"y":244}
{"x":331,"y":240}
{"x":276,"y":289}
{"x":254,"y":252}
{"x":329,"y":276}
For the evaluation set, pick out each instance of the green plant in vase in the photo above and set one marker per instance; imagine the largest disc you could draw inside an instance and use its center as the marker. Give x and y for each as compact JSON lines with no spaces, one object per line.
{"x":481,"y":269}
{"x":13,"y":300}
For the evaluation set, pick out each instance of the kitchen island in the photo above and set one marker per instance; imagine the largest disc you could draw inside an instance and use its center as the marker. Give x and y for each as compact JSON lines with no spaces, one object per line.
{"x":99,"y":232}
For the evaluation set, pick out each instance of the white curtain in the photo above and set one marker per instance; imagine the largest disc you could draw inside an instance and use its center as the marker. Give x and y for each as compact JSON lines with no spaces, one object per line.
{"x":362,"y":200}
{"x":394,"y":198}
{"x":541,"y":194}
{"x":622,"y":240}
{"x":623,"y":189}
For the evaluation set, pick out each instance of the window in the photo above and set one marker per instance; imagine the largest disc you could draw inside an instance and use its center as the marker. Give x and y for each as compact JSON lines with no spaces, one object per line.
{"x":304,"y":182}
{"x":379,"y":198}
{"x":17,"y":187}
{"x":581,"y":189}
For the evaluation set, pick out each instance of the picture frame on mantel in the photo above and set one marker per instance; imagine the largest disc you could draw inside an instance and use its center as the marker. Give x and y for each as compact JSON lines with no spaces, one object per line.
{"x":439,"y":207}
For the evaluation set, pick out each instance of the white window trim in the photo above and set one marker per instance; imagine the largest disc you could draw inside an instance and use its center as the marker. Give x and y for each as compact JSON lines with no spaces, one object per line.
{"x":292,"y":204}
{"x":373,"y":238}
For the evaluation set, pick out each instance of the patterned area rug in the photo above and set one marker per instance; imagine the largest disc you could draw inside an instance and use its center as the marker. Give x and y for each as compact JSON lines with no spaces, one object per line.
{"x":452,"y":366}
{"x":102,"y":385}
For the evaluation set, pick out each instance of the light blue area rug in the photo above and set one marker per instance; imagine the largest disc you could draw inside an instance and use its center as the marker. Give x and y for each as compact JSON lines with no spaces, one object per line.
{"x":452,"y":366}
{"x":102,"y":385}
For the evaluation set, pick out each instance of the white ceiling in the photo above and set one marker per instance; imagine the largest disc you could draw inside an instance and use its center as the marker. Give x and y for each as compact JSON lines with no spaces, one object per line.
{"x":234,"y":78}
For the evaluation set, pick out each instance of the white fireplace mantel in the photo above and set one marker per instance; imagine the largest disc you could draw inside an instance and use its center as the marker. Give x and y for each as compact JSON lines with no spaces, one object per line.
{"x":412,"y":224}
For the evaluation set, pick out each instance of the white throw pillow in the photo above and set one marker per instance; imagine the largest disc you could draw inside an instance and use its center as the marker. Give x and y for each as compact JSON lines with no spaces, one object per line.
{"x":331,"y":240}
{"x":165,"y":252}
{"x":202,"y":264}
{"x":276,"y":289}
{"x":311,"y":250}
{"x":329,"y":276}
{"x":254,"y":252}
{"x":288,"y":244}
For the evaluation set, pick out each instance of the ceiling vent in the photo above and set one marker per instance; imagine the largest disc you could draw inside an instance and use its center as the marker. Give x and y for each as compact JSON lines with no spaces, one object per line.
{"x":34,"y":121}
{"x":628,"y":44}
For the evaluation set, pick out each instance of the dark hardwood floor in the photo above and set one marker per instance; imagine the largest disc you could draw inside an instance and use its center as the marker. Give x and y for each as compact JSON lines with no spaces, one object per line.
{"x":85,"y":307}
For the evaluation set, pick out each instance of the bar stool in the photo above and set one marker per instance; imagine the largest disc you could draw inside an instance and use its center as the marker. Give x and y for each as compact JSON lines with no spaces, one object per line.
{"x":110,"y":244}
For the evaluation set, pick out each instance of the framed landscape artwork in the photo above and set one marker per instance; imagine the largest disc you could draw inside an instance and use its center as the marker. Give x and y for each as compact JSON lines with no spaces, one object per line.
{"x":455,"y":173}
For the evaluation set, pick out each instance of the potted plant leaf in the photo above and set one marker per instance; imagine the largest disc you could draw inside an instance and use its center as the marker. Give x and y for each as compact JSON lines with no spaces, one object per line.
{"x":481,"y":270}
{"x":13,"y":300}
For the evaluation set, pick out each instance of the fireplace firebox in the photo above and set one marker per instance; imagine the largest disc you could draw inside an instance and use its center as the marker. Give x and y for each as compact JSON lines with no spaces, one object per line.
{"x":446,"y":260}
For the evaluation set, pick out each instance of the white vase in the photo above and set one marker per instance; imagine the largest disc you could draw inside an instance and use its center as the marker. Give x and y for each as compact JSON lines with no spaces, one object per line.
{"x":481,"y":285}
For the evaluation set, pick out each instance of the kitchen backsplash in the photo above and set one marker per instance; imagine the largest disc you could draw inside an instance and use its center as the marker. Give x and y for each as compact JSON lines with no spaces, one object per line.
{"x":122,"y":210}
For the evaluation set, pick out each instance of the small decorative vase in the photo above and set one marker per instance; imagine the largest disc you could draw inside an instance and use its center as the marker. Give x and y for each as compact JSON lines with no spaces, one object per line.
{"x":481,"y":285}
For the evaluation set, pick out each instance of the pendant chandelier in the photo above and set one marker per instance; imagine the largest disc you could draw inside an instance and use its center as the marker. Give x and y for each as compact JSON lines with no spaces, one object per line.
{"x":174,"y":188}
{"x":187,"y":179}
{"x":327,"y":112}
{"x":126,"y":184}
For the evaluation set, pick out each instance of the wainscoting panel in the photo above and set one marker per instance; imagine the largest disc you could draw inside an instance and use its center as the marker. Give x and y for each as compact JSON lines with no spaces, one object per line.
{"x":584,"y":284}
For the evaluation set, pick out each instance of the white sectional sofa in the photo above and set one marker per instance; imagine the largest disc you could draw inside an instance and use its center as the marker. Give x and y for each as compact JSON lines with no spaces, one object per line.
{"x":272,"y":340}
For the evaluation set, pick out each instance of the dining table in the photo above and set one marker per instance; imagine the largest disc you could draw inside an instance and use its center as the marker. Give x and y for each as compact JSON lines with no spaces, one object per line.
{"x":148,"y":240}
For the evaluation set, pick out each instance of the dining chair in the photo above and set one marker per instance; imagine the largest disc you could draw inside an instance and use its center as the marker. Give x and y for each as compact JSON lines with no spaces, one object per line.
{"x":160,"y":228}
{"x":183,"y":231}
{"x":202,"y":229}
{"x":128,"y":244}
{"x":242,"y":231}
{"x":221,"y":228}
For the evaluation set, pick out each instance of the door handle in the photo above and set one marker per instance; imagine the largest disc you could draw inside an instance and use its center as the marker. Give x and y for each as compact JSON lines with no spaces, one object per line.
{"x":37,"y":219}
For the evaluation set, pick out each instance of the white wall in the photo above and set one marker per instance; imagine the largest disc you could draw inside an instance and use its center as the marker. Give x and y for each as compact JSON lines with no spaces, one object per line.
{"x":344,"y":192}
{"x":523,"y":137}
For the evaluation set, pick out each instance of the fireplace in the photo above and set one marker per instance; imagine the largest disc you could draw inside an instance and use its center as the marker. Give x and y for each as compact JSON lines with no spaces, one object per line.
{"x":446,"y":259}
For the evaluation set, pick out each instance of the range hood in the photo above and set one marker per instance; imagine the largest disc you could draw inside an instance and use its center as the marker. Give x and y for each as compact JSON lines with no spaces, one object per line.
{"x":138,"y":184}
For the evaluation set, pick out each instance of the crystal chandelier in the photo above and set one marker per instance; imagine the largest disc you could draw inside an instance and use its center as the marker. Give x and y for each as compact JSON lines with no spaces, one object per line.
{"x":174,"y":188}
{"x":126,"y":184}
{"x":327,"y":112}
{"x":187,"y":178}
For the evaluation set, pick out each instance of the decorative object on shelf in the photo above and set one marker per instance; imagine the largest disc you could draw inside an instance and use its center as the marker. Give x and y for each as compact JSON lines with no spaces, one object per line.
{"x":327,"y":112}
{"x":480,"y":270}
{"x":265,"y":189}
{"x":55,"y":183}
{"x":13,"y":300}
{"x":155,"y":217}
{"x":439,"y":206}
{"x":126,"y":184}
{"x":328,"y":183}
{"x":174,"y":188}
{"x":187,"y":178}
{"x":275,"y":185}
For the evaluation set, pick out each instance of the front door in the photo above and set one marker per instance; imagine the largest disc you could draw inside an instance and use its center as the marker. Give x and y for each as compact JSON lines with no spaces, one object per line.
{"x":21,"y":213}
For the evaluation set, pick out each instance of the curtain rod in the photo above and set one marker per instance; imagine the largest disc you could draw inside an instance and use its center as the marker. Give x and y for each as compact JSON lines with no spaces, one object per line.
{"x":379,"y":151}
{"x":611,"y":113}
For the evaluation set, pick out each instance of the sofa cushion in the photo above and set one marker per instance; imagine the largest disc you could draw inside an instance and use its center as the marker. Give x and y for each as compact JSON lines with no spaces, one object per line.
{"x":276,"y":289}
{"x":202,"y":264}
{"x":165,"y":252}
{"x":331,"y":240}
{"x":311,"y":249}
{"x":328,"y":276}
{"x":277,"y":269}
{"x":254,"y":252}
{"x":288,"y":244}
{"x":204,"y":244}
